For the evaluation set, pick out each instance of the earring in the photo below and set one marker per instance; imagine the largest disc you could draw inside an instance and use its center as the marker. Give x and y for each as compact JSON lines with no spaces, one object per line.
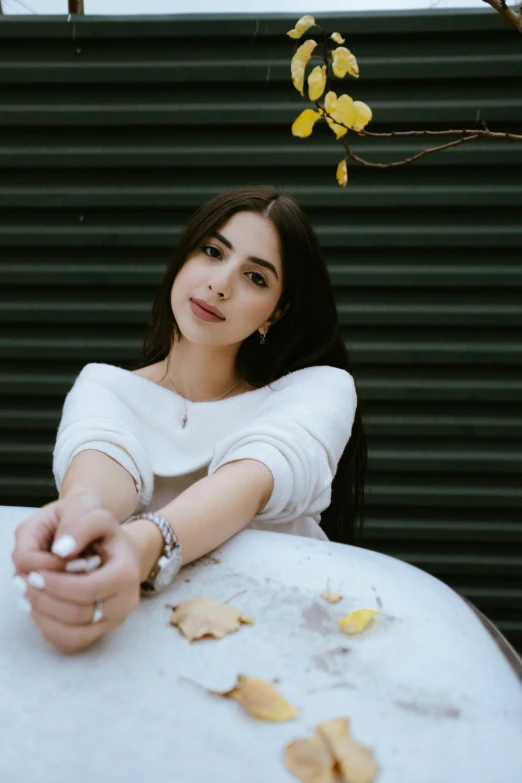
{"x":263,"y":339}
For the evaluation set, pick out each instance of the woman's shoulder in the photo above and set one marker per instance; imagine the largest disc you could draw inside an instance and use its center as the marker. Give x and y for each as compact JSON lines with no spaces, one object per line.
{"x":101,"y":369}
{"x":317,"y":377}
{"x":312,"y":388}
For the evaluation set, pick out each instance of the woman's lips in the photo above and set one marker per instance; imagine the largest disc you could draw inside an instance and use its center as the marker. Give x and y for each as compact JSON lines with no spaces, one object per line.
{"x":200,"y":312}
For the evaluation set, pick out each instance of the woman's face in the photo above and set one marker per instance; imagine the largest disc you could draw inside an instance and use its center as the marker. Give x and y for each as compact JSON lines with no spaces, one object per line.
{"x":239,"y":271}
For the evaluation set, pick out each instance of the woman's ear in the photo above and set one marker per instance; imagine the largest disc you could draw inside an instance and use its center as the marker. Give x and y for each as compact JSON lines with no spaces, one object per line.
{"x":278,"y":314}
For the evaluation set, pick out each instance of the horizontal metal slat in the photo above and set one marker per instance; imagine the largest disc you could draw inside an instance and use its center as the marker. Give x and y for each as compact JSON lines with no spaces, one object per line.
{"x":444,"y":495}
{"x":375,"y":25}
{"x":81,"y":230}
{"x":84,"y":66}
{"x":55,"y":150}
{"x":427,"y":352}
{"x":434,"y":275}
{"x":446,"y":529}
{"x":494,"y":425}
{"x":447,"y":565}
{"x":142,"y":111}
{"x":493,"y":598}
{"x":138,"y":195}
{"x":442,"y":388}
{"x":448,"y":456}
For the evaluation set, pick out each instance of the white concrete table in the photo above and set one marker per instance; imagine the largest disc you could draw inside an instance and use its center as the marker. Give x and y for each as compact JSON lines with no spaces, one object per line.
{"x":427,"y":687}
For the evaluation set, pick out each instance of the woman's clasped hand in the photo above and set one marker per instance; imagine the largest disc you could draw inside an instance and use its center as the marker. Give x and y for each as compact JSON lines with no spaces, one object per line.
{"x":78,"y":571}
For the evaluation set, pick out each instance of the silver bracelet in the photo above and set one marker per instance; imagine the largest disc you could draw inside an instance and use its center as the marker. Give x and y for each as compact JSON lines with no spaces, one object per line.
{"x":169,"y":537}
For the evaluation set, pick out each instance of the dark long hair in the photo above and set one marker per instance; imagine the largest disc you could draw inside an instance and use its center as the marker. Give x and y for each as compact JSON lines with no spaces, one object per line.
{"x":306,"y":336}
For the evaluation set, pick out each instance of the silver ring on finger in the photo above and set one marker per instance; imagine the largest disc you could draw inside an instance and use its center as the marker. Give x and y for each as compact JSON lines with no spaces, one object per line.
{"x":98,"y":612}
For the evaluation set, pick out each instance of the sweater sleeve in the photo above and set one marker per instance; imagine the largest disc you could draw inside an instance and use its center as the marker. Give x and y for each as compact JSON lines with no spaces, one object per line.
{"x":299,"y":433}
{"x":95,"y":416}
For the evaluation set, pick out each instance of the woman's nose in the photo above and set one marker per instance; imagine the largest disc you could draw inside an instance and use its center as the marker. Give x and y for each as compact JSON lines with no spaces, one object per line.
{"x":221,"y":282}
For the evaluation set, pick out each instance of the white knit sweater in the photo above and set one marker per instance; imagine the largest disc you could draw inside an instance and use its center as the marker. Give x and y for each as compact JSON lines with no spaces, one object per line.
{"x":298,"y":427}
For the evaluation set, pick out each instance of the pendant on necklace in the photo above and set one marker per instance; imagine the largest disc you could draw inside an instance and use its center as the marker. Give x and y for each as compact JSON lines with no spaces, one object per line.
{"x":184,"y":420}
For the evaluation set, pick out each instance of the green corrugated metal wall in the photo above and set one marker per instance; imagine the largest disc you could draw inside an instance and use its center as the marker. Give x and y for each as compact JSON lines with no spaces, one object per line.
{"x":113,"y":130}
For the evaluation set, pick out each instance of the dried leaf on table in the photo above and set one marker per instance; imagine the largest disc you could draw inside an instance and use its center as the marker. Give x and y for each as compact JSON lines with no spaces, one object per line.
{"x":331,"y":597}
{"x":207,"y":617}
{"x":356,"y":622}
{"x":355,"y":762}
{"x":310,"y":760}
{"x":260,"y":699}
{"x":331,"y":753}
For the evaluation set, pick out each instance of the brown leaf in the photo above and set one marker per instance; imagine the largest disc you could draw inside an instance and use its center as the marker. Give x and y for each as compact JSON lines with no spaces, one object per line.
{"x":331,"y":597}
{"x":355,"y":761}
{"x":310,"y":760}
{"x":206,"y":617}
{"x":260,"y":699}
{"x":331,"y":752}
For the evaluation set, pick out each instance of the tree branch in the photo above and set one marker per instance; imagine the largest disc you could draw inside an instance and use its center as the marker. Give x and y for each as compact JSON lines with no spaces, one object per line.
{"x":485,"y":132}
{"x":407,"y":161}
{"x":509,"y":15}
{"x":468,"y":135}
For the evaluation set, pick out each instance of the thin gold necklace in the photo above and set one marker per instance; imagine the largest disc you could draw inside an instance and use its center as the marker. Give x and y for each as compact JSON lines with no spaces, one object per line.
{"x":185,"y":417}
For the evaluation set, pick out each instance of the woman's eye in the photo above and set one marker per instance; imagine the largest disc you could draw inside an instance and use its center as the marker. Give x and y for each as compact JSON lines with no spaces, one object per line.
{"x":260,"y":279}
{"x":207,"y":248}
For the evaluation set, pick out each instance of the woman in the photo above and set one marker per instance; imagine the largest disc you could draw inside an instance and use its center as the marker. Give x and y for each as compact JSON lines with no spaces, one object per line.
{"x":243,"y":413}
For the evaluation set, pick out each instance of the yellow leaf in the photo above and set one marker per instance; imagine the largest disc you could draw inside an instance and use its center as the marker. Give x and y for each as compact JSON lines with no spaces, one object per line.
{"x":344,"y":62}
{"x":260,"y":699}
{"x":330,"y":101}
{"x":207,"y":617}
{"x":337,"y":38}
{"x":363,"y":115}
{"x":329,"y":595}
{"x":331,"y":752}
{"x":298,"y":64}
{"x":310,"y":760}
{"x":340,"y":109}
{"x":304,"y":24}
{"x":304,"y":124}
{"x":344,"y":112}
{"x":356,"y":622}
{"x":317,"y":82}
{"x":355,"y":762}
{"x":342,"y":179}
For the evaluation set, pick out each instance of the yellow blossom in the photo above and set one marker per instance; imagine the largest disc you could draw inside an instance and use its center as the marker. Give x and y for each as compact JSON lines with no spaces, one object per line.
{"x":344,"y":62}
{"x":342,"y":174}
{"x":304,"y":24}
{"x":304,"y":124}
{"x":317,"y":82}
{"x":337,"y":38}
{"x":298,"y":64}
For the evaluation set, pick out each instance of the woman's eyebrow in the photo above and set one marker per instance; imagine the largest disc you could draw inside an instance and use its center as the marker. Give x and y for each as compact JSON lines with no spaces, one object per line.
{"x":254,"y":259}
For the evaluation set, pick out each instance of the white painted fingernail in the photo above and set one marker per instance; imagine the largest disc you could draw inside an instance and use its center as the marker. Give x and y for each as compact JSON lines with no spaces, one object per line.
{"x":36,"y":580}
{"x":77,"y":566}
{"x":25,"y":605}
{"x":20,"y":584}
{"x":93,"y":562}
{"x":64,"y":547}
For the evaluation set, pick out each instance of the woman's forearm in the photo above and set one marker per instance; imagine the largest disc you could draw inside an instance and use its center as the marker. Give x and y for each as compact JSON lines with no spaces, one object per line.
{"x":208,"y":513}
{"x":94,"y":471}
